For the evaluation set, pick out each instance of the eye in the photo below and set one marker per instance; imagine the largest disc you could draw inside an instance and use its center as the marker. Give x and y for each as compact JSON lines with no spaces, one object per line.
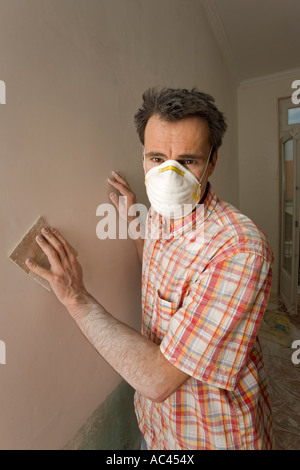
{"x":156,"y":160}
{"x":187,"y":162}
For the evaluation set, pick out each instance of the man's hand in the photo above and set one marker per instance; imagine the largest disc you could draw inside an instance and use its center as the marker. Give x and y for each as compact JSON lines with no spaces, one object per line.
{"x":123,"y":187}
{"x":123,"y":208}
{"x":65,"y":273}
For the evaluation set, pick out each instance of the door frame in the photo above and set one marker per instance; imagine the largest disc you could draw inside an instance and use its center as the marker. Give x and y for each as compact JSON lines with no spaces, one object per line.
{"x":289,"y":132}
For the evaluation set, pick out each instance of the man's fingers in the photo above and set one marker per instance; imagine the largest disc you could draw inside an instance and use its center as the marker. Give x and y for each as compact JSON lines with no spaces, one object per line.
{"x":64,"y":243}
{"x":34,"y":267}
{"x":56,"y":244}
{"x":120,"y":183}
{"x":114,"y":199}
{"x":49,"y":251}
{"x":124,"y":190}
{"x":120,"y":179}
{"x":127,"y":197}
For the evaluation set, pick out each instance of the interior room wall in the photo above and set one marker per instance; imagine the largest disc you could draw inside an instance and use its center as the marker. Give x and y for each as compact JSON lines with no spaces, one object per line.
{"x":74,"y":72}
{"x":258,"y":131}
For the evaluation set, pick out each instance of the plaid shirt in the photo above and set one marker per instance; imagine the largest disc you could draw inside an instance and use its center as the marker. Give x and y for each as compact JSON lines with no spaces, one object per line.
{"x":204,"y":292}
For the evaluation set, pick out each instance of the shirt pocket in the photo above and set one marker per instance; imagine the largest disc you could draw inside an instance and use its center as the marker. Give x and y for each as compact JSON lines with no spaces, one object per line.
{"x":164,"y":311}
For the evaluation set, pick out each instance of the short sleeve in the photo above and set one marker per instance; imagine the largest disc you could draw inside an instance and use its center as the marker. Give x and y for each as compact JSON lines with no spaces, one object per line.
{"x":212,"y":334}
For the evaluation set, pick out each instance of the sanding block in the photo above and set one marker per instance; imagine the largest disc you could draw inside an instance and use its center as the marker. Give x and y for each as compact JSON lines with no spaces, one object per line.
{"x":29,"y":248}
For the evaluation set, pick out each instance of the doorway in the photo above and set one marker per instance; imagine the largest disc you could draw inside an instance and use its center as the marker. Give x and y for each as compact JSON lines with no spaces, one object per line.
{"x":289,"y":122}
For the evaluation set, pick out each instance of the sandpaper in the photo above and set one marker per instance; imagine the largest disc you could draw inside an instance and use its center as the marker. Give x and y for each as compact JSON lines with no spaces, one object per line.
{"x":29,"y":248}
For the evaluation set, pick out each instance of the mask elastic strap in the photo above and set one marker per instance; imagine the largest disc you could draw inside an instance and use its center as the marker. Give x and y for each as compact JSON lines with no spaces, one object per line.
{"x":207,"y":162}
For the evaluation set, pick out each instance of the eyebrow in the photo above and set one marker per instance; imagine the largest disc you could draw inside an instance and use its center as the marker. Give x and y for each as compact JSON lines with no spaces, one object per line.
{"x":188,"y":156}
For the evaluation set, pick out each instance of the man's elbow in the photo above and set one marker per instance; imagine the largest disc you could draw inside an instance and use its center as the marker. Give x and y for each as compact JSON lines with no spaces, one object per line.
{"x":159,"y":397}
{"x":161,"y":392}
{"x":164,"y":384}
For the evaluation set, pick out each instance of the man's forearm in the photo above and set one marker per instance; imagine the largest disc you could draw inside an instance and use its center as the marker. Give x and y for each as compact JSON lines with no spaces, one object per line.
{"x":139,"y":244}
{"x":133,"y":356}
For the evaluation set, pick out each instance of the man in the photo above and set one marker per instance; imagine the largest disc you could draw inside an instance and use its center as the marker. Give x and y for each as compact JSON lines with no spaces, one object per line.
{"x":197,"y":365}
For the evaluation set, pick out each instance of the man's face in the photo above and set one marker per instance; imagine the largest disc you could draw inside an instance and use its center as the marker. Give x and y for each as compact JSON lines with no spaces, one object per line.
{"x":186,"y":141}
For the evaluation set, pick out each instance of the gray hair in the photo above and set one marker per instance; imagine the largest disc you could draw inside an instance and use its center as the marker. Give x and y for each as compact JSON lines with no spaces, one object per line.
{"x":176,"y":104}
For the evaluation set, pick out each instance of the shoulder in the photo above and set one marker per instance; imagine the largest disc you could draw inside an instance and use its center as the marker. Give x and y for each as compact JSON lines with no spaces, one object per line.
{"x":238,"y":233}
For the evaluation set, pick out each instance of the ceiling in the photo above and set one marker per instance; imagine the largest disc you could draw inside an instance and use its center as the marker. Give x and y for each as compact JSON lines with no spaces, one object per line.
{"x":258,"y":37}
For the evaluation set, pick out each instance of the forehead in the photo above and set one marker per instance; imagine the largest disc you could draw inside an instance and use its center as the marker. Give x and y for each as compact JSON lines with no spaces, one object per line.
{"x":190,"y":132}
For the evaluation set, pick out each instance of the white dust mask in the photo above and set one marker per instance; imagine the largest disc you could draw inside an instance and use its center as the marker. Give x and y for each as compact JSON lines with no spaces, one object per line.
{"x":173,"y":191}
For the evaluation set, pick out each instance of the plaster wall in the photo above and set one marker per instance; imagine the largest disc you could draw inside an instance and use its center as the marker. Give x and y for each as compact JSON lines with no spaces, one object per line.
{"x":74,"y":72}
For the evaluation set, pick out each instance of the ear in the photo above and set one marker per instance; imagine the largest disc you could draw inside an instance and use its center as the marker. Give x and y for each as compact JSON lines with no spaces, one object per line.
{"x":213,"y":163}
